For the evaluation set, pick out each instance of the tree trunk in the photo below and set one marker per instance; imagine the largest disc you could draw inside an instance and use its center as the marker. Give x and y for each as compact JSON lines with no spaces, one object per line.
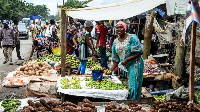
{"x":180,"y":57}
{"x":148,"y":36}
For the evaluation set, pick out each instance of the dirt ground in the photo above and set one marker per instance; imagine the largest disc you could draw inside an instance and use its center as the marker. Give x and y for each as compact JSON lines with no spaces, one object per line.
{"x":26,"y":45}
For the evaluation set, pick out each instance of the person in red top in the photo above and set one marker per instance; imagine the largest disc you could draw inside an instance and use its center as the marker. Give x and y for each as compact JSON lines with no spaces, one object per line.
{"x":102,"y":31}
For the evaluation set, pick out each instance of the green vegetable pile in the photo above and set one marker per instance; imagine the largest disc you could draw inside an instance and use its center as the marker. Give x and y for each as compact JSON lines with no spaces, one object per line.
{"x":105,"y":85}
{"x":10,"y":105}
{"x":96,"y":67}
{"x":88,"y":79}
{"x":69,"y":58}
{"x":197,"y":96}
{"x":160,"y":98}
{"x":73,"y":83}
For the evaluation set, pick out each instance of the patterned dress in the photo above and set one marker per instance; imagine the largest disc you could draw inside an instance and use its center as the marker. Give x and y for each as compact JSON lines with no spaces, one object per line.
{"x":34,"y":32}
{"x":42,"y":49}
{"x":83,"y":50}
{"x":123,"y":50}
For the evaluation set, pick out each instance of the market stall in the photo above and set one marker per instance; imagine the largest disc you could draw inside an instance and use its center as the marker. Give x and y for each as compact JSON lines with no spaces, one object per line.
{"x":112,"y":89}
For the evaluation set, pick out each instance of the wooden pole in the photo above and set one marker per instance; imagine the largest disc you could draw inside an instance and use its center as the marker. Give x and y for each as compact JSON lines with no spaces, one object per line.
{"x":63,"y":41}
{"x":138,"y":28}
{"x":192,"y":60}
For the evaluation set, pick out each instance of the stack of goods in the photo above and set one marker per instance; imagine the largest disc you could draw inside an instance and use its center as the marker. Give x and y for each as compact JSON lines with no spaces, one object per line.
{"x":10,"y":105}
{"x":167,"y":106}
{"x":69,"y":58}
{"x":91,"y":63}
{"x":150,"y":69}
{"x":34,"y":68}
{"x":104,"y":84}
{"x":132,"y":107}
{"x":73,"y":83}
{"x":96,"y":67}
{"x":58,"y":106}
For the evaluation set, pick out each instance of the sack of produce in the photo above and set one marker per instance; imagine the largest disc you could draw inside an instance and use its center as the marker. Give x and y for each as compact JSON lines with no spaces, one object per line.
{"x":41,"y":89}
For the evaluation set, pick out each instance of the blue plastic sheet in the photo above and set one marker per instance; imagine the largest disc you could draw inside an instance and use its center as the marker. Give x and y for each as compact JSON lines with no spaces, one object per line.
{"x":33,"y":17}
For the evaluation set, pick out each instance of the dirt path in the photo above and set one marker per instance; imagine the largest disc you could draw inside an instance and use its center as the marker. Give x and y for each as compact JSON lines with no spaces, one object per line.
{"x":26,"y":46}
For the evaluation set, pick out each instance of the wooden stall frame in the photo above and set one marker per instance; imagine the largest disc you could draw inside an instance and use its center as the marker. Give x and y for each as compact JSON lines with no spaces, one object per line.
{"x":63,"y":39}
{"x":192,"y":61}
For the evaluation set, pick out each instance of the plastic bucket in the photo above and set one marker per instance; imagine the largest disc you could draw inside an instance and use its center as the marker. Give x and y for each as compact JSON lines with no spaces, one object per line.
{"x":97,"y":75}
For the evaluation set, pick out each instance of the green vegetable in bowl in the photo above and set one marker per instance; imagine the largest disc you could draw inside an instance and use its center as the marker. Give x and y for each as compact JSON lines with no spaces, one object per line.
{"x":10,"y":105}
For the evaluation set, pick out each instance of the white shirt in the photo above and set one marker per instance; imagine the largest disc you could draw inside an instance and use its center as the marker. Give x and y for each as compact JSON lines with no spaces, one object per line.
{"x":49,"y":30}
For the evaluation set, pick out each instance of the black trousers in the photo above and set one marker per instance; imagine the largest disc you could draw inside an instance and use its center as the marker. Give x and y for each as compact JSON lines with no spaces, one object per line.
{"x":18,"y":49}
{"x":102,"y":50}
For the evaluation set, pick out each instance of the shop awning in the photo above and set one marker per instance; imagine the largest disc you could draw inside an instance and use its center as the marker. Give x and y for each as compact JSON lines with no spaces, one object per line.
{"x":115,"y":11}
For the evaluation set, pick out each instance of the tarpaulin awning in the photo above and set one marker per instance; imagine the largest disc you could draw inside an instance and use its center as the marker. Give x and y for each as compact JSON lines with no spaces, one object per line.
{"x":33,"y":17}
{"x":115,"y":11}
{"x":103,"y":2}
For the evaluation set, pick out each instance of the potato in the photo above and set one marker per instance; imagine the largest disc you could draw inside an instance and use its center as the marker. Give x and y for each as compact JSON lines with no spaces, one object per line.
{"x":44,"y":103}
{"x":40,"y":71}
{"x":69,"y":108}
{"x":26,"y":110}
{"x":38,"y":104}
{"x":57,"y":110}
{"x":41,"y":109}
{"x":25,"y":72}
{"x":86,"y":109}
{"x":31,"y":103}
{"x":55,"y":102}
{"x":26,"y":69}
{"x":88,"y":105}
{"x":17,"y":72}
{"x":22,"y":68}
{"x":43,"y":68}
{"x":69,"y":104}
{"x":85,"y":100}
{"x":30,"y":73}
{"x":29,"y":107}
{"x":42,"y":63}
{"x":37,"y":74}
{"x":37,"y":66}
{"x":59,"y":106}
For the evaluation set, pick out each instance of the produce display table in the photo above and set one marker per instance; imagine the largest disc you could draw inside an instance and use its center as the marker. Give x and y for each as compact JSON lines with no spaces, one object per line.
{"x":93,"y":92}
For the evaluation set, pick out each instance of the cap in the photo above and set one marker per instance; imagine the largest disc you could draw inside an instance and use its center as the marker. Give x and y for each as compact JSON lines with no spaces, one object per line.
{"x":5,"y":22}
{"x":47,"y":21}
{"x":88,"y":23}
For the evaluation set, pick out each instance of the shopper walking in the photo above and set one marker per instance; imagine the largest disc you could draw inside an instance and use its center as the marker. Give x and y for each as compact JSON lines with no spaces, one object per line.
{"x":126,"y":50}
{"x":16,"y":33}
{"x":34,"y":30}
{"x":82,"y":45}
{"x":102,"y":31}
{"x":8,"y":41}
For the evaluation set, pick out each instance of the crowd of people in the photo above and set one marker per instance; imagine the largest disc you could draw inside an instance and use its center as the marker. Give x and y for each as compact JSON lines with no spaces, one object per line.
{"x":126,"y":48}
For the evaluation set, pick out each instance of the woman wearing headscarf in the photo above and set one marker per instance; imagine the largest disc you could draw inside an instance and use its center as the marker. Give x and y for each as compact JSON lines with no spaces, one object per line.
{"x":127,"y":51}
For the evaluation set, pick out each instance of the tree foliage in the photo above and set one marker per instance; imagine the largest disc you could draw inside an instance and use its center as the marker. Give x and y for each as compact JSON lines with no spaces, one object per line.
{"x":18,"y":9}
{"x":75,"y":3}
